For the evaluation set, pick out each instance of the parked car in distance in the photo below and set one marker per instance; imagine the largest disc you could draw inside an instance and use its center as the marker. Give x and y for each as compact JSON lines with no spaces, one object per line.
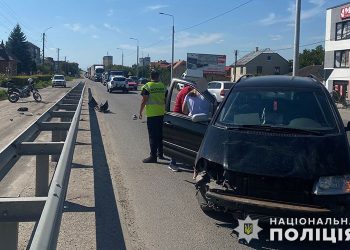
{"x":134,"y":78}
{"x":105,"y":76}
{"x":117,"y":83}
{"x":58,"y":80}
{"x":219,"y":89}
{"x":143,"y":80}
{"x":275,"y":147}
{"x":131,"y":84}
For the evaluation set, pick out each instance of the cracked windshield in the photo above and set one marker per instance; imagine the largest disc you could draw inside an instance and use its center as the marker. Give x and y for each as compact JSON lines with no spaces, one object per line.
{"x":174,"y":124}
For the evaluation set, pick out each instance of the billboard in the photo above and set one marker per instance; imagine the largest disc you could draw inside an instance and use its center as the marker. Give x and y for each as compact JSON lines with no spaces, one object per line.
{"x":200,"y":64}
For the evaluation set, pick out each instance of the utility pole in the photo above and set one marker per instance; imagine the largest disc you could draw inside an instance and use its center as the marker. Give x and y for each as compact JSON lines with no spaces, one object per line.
{"x":58,"y":60}
{"x":296,"y":38}
{"x":137,"y":56}
{"x":236,"y":52}
{"x":65,"y":65}
{"x":44,"y":43}
{"x":43,"y":48}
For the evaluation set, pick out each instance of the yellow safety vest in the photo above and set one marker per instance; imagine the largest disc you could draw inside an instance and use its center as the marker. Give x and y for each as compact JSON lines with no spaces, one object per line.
{"x":155,"y":105}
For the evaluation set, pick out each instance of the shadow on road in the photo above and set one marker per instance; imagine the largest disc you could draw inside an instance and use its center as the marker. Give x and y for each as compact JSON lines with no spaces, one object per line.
{"x":109,"y":233}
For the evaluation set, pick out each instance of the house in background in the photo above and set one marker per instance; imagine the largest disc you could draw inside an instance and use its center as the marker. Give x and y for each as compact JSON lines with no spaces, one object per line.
{"x":260,"y":62}
{"x":337,"y":50}
{"x":34,"y":52}
{"x":315,"y":70}
{"x":179,"y":68}
{"x":163,"y":64}
{"x":8,"y":63}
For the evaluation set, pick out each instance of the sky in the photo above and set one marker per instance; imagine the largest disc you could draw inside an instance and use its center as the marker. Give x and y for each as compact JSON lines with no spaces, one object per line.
{"x":85,"y":31}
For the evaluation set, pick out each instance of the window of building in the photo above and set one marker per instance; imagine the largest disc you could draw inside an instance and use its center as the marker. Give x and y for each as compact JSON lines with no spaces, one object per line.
{"x":277,"y":70}
{"x":343,"y":30}
{"x":259,"y":70}
{"x":241,"y":72}
{"x":341,"y":59}
{"x":269,"y":58}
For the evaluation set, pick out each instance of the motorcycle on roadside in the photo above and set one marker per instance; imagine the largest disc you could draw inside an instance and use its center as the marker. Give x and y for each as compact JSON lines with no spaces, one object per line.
{"x":14,"y":94}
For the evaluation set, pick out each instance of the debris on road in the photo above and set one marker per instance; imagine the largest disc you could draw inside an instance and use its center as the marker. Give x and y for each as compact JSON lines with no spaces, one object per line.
{"x":102,"y":107}
{"x":22,"y":109}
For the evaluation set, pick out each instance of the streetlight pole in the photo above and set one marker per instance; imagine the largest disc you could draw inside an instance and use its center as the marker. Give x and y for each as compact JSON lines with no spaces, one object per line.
{"x":137,"y":56}
{"x":296,"y":39}
{"x":172,"y":44}
{"x":122,"y":56}
{"x":44,"y":43}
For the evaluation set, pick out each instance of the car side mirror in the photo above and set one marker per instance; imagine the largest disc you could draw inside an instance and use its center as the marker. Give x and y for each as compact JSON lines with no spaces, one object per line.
{"x":347,"y":128}
{"x":200,"y":118}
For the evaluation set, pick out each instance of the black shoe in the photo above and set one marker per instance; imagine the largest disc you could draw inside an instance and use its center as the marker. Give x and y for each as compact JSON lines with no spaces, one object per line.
{"x":150,"y":160}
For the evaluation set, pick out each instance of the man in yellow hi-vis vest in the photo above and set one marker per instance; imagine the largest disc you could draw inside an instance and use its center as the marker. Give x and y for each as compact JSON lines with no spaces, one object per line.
{"x":153,"y":98}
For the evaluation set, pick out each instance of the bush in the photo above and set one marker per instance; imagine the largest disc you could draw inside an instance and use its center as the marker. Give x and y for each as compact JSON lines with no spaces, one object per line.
{"x":20,"y":81}
{"x":3,"y":94}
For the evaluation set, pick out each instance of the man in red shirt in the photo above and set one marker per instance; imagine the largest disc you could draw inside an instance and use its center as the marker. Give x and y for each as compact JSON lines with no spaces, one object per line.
{"x":180,"y":98}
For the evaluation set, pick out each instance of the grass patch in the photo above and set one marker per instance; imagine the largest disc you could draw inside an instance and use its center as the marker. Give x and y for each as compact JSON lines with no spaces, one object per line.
{"x":42,"y":84}
{"x":3,"y":94}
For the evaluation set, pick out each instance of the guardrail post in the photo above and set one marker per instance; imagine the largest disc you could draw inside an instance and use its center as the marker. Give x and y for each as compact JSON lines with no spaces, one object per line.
{"x":56,"y":137}
{"x":42,"y":175}
{"x":64,"y":132}
{"x":9,"y":235}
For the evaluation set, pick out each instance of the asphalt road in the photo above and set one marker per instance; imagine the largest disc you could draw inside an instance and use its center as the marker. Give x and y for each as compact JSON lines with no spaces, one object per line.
{"x":158,"y":207}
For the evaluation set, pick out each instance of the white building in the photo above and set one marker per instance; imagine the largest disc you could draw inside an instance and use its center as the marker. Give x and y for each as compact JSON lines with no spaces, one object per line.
{"x":337,"y":50}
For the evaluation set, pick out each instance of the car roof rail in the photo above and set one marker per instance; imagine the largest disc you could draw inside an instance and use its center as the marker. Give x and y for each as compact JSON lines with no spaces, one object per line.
{"x":244,"y":77}
{"x":313,"y":77}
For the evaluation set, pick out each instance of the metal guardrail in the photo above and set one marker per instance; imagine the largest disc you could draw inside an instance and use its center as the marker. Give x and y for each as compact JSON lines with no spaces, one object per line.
{"x":47,"y":206}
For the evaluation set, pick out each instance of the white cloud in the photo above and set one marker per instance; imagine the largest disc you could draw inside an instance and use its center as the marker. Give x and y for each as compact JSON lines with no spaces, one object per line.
{"x":95,"y":36}
{"x":185,"y":39}
{"x":271,"y":19}
{"x":110,"y":12}
{"x":79,"y":28}
{"x":154,"y":30}
{"x":316,"y":9}
{"x":75,"y":27}
{"x":111,"y":27}
{"x":275,"y":37}
{"x":93,"y":27}
{"x":155,"y":7}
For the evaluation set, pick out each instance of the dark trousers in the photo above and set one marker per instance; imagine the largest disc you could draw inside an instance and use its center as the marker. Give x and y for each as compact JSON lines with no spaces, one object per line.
{"x":155,"y":133}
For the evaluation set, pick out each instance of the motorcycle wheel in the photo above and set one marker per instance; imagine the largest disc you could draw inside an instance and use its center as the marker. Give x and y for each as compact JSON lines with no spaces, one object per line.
{"x":37,"y":96}
{"x":13,"y":97}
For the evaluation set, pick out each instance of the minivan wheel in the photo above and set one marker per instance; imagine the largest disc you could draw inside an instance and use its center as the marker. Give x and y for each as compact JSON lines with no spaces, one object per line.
{"x":202,"y":200}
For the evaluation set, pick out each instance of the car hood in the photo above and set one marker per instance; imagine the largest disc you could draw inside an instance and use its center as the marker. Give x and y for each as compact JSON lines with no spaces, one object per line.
{"x":280,"y":155}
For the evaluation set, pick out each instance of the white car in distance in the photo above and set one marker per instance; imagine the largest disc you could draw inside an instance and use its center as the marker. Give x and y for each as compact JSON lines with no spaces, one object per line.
{"x":117,"y":83}
{"x":58,"y":80}
{"x":219,"y":89}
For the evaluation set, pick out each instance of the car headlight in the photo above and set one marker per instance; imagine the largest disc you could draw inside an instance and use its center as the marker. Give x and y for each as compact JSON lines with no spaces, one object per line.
{"x":331,"y":185}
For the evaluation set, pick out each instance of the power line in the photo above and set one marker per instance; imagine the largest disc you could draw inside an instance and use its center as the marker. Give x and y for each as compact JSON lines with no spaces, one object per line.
{"x":217,"y":16}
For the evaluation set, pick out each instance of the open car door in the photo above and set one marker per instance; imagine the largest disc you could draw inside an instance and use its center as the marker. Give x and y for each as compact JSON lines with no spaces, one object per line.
{"x":183,"y":134}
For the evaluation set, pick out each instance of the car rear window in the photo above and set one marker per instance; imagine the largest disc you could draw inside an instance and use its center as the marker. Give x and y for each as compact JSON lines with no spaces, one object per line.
{"x":228,"y":85}
{"x":299,"y":109}
{"x":119,"y":79}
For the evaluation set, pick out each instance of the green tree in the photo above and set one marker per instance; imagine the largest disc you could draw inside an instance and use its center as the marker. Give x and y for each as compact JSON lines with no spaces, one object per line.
{"x":311,"y":57}
{"x":17,"y":46}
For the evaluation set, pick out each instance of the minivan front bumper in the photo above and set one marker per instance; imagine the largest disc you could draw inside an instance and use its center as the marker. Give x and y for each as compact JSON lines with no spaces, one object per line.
{"x":271,"y":209}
